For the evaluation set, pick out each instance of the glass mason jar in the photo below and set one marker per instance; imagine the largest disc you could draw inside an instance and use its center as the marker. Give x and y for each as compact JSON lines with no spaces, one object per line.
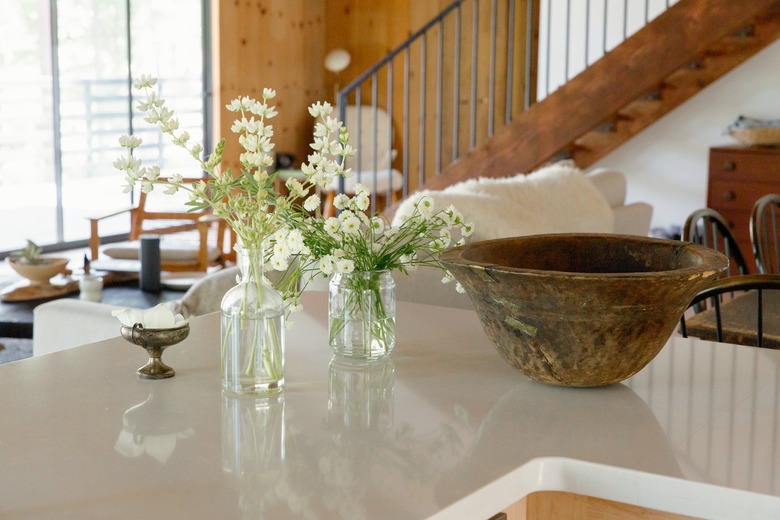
{"x":361,"y":314}
{"x":252,"y":331}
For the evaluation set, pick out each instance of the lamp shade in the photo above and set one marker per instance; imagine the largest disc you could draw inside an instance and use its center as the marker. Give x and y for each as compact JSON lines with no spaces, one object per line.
{"x":337,"y":60}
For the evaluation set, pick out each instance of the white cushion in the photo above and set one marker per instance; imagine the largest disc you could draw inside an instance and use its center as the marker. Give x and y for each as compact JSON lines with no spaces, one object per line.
{"x":611,"y":184}
{"x":206,"y":295}
{"x":168,"y":253}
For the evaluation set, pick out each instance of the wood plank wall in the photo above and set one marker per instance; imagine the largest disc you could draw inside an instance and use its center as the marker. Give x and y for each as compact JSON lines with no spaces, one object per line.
{"x":269,"y":43}
{"x":283,"y":43}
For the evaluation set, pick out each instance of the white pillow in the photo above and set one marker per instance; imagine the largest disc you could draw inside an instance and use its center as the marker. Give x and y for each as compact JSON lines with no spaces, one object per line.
{"x":554,"y":199}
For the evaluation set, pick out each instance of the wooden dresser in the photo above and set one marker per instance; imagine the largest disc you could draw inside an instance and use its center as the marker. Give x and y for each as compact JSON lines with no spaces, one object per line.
{"x":738,"y":176}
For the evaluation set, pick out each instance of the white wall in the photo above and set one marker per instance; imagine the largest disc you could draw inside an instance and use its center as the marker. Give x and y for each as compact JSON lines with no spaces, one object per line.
{"x":666,"y":164}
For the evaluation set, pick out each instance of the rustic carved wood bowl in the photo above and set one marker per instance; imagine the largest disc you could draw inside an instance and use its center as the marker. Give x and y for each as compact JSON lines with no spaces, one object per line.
{"x":581,"y":309}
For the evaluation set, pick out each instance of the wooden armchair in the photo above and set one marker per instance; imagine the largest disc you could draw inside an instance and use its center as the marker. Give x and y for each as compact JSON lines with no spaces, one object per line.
{"x":189,"y":241}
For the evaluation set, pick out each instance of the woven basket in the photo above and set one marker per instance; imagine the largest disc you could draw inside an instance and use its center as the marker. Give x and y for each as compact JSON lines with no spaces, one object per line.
{"x":768,"y":136}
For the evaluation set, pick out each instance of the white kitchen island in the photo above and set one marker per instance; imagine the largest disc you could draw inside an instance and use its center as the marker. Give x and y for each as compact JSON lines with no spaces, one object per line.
{"x":443,"y":429}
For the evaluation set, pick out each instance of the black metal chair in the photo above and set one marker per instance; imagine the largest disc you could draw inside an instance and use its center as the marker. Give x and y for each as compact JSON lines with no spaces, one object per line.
{"x":765,"y":233}
{"x":708,"y":227}
{"x":734,"y":317}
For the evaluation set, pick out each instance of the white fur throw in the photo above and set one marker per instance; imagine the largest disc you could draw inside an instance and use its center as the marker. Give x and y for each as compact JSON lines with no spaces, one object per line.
{"x":554,"y":199}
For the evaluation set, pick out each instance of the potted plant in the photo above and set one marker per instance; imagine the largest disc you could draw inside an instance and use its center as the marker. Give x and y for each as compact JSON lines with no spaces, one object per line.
{"x":38,"y":269}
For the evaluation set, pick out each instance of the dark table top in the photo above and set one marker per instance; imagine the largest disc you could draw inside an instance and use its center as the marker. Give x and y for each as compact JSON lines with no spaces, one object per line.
{"x":16,"y":318}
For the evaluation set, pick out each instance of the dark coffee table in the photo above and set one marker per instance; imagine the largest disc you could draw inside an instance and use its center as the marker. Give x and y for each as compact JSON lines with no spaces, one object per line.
{"x":16,"y":318}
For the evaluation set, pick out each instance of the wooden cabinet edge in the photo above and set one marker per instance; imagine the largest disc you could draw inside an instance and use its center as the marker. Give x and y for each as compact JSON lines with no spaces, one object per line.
{"x":546,"y":505}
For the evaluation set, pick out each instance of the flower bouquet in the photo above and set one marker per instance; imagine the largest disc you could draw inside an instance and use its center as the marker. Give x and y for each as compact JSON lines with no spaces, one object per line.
{"x":360,"y":251}
{"x":253,"y":311}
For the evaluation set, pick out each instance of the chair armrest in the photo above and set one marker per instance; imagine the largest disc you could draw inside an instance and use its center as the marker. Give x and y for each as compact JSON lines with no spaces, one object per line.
{"x":113,"y":213}
{"x":94,"y":235}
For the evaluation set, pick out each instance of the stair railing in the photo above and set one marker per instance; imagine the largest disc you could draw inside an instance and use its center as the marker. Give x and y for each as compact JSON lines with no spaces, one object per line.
{"x":477,"y":64}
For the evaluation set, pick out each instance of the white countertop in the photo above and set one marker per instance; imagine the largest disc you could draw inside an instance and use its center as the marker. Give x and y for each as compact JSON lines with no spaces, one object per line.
{"x":442,"y":429}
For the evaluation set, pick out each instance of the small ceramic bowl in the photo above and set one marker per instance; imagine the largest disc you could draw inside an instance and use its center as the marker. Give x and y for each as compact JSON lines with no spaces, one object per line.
{"x":39,"y":274}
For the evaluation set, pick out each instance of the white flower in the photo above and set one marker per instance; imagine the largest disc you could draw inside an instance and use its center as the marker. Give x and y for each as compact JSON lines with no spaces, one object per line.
{"x":327,"y":264}
{"x":351,"y":225}
{"x":295,"y":241}
{"x":182,"y":139}
{"x":467,"y":229}
{"x":332,"y":225}
{"x":362,"y":202}
{"x":312,"y":203}
{"x":170,"y":125}
{"x":345,"y":266}
{"x":234,"y":106}
{"x":249,"y":142}
{"x":279,"y":263}
{"x":425,"y":206}
{"x":445,"y":237}
{"x":130,"y":141}
{"x":127,"y":163}
{"x":151,"y":173}
{"x":320,"y":109}
{"x":295,"y":188}
{"x":341,"y":201}
{"x":281,"y":250}
{"x":377,"y":225}
{"x":158,"y":317}
{"x":145,"y":82}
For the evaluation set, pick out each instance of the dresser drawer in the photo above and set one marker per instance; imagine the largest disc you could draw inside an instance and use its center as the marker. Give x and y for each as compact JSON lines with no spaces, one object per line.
{"x":723,"y":195}
{"x":745,"y":164}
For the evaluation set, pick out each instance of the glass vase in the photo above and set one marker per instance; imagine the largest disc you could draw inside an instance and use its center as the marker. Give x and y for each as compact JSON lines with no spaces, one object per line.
{"x":252,"y":331}
{"x":361,"y":314}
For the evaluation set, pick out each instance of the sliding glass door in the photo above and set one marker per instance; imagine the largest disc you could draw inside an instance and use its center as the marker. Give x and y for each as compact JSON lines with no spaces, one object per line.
{"x":65,"y":98}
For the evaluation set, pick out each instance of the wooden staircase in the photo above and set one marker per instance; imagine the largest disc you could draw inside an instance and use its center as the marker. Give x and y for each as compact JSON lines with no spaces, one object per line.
{"x":675,"y":56}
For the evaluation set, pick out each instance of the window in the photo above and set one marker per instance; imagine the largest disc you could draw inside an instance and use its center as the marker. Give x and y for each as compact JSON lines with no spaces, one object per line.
{"x":65,"y":72}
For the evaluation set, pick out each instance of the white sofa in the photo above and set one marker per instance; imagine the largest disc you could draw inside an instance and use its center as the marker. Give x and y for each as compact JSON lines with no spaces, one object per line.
{"x":563,"y":199}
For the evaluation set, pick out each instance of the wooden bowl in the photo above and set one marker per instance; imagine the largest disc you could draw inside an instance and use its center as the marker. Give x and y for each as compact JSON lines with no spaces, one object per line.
{"x":39,"y":274}
{"x":581,"y":309}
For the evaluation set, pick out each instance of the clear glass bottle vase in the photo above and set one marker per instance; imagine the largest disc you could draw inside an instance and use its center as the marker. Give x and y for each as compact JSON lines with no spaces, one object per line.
{"x":361,"y":314}
{"x":252,"y":331}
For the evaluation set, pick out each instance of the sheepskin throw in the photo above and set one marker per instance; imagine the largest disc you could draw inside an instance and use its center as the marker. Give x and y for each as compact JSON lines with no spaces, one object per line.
{"x":554,"y":199}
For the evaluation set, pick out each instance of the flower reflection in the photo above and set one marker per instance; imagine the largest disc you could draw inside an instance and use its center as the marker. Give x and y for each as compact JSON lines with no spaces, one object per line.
{"x":152,"y":428}
{"x":294,"y":458}
{"x":255,"y":435}
{"x":369,"y":453}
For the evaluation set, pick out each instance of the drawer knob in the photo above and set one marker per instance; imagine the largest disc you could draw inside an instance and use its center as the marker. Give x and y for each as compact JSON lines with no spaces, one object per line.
{"x":729,"y":166}
{"x":729,"y":195}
